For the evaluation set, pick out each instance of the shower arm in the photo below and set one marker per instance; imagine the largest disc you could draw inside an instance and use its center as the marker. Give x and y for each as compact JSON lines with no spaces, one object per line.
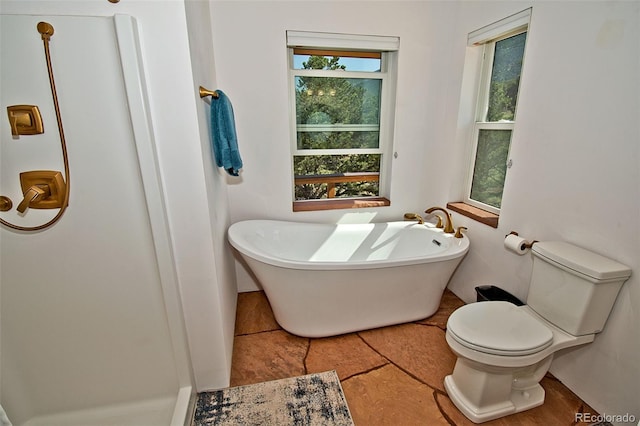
{"x":46,"y":31}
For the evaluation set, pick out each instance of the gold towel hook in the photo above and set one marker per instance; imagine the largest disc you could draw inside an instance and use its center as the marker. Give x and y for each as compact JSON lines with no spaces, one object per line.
{"x":206,"y":92}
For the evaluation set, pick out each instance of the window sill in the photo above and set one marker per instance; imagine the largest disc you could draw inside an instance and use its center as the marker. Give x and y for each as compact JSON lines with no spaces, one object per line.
{"x":336,"y":204}
{"x":482,"y":216}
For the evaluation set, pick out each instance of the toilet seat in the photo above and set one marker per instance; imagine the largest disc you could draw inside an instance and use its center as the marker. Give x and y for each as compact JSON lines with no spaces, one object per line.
{"x":498,"y":328}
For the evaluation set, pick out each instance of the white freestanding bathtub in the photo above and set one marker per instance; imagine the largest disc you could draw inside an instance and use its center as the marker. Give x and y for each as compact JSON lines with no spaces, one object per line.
{"x":328,"y":279}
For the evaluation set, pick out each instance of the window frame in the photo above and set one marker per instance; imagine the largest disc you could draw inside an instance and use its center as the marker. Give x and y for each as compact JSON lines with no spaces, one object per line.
{"x":486,"y":39}
{"x":387,"y":48}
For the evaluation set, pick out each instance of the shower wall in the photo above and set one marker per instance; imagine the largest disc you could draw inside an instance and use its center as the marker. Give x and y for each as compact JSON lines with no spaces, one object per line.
{"x":196,"y":209}
{"x":84,"y":318}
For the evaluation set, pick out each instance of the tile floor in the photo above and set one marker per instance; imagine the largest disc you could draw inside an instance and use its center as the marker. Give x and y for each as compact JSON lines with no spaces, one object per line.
{"x":390,"y":376}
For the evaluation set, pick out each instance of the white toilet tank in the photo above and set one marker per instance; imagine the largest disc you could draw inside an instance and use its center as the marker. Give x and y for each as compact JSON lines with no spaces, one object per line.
{"x":573,"y":288}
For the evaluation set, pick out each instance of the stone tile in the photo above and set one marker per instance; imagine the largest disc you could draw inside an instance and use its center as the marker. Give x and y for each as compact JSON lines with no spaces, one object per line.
{"x":254,"y":314}
{"x":267,"y":356}
{"x":449,"y":303}
{"x":420,"y":350}
{"x":387,"y":396}
{"x":346,"y":354}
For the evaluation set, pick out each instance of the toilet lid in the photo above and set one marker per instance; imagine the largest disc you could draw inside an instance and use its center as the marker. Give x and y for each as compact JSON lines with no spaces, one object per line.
{"x":499,"y":328}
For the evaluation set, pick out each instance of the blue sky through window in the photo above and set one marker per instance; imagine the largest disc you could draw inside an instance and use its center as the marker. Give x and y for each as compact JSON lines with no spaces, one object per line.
{"x":352,"y":64}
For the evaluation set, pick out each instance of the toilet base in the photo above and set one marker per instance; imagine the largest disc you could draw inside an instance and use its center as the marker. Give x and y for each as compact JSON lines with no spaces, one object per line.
{"x":513,"y":400}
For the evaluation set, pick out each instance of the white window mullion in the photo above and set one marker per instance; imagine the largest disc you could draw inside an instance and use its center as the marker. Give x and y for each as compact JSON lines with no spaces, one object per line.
{"x":498,"y":125}
{"x":338,"y":127}
{"x":337,"y":151}
{"x":339,"y":74}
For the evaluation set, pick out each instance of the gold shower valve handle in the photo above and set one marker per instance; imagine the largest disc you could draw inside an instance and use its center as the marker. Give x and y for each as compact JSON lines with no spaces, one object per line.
{"x":32,"y":195}
{"x":50,"y":182}
{"x":25,"y":120}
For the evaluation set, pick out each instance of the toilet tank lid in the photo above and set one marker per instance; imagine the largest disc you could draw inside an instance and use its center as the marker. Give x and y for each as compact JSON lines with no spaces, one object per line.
{"x":581,"y":260}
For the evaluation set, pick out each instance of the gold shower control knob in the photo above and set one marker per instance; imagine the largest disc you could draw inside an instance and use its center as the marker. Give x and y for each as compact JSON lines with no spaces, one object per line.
{"x":5,"y":203}
{"x":25,"y":120}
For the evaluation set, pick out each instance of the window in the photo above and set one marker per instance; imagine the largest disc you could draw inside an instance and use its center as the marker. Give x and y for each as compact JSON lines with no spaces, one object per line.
{"x":503,"y":44}
{"x":342,"y":115}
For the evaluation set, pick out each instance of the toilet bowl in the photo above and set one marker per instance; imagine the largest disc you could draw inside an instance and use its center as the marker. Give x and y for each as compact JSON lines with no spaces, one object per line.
{"x":505,"y":350}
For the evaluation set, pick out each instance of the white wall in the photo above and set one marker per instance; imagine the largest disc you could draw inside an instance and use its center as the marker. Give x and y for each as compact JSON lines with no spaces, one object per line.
{"x":575,"y":150}
{"x":224,"y":292}
{"x":175,"y":112}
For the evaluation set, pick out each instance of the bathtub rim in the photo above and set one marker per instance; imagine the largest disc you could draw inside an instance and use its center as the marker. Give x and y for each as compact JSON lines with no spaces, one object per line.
{"x":457,"y":249}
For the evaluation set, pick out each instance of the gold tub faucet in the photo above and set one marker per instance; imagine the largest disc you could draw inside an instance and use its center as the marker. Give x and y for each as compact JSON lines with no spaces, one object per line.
{"x":448,"y":227}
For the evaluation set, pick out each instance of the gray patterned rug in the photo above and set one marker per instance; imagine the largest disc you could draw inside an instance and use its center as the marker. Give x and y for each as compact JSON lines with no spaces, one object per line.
{"x":314,"y":399}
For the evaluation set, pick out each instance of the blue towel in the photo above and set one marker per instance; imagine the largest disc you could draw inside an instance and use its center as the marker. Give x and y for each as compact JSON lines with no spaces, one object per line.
{"x":223,"y":134}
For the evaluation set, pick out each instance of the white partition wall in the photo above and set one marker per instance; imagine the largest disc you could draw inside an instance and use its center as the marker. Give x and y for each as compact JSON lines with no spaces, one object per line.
{"x":175,"y":47}
{"x":90,"y":315}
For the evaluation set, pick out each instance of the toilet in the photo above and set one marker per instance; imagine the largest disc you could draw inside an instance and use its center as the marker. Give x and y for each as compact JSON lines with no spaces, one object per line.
{"x":505,"y":350}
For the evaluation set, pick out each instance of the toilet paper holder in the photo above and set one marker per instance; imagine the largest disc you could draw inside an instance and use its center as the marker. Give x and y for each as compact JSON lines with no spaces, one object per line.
{"x":526,"y":244}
